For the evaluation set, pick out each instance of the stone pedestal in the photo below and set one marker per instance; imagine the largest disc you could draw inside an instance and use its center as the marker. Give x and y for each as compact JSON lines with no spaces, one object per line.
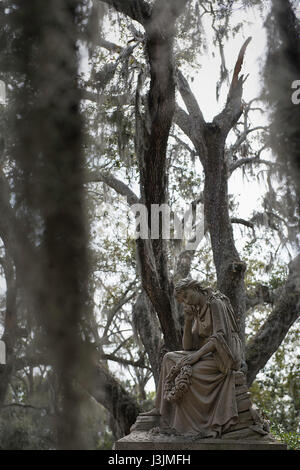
{"x":246,"y":435}
{"x":145,"y":440}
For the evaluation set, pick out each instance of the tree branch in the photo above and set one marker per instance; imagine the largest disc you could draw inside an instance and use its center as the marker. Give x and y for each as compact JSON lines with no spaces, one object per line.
{"x":21,"y":405}
{"x":236,"y":220}
{"x":190,"y":100}
{"x":114,"y":183}
{"x":109,"y":99}
{"x":248,"y":161}
{"x":147,"y":330}
{"x":126,"y":362}
{"x":185,"y":145}
{"x":184,"y":121}
{"x":102,"y":77}
{"x":235,"y":83}
{"x":243,"y":137}
{"x":233,"y":108}
{"x":111,"y":314}
{"x":110,"y":46}
{"x":114,"y":397}
{"x":262,"y":295}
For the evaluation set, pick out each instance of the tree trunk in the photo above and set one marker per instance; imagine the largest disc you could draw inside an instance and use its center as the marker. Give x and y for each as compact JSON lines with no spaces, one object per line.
{"x":148,"y":331}
{"x":229,"y":267}
{"x":152,"y":133}
{"x":49,"y":190}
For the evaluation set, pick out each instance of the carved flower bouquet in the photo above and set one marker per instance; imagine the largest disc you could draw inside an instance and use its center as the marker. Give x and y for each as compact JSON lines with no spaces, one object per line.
{"x":177,"y":382}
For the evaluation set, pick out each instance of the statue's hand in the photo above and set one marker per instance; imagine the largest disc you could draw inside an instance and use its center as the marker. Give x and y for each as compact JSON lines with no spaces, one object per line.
{"x":194,"y":357}
{"x":190,"y":311}
{"x":189,"y":359}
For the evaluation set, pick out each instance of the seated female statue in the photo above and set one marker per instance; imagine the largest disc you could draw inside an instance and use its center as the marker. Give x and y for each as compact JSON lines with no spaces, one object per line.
{"x":196,"y":391}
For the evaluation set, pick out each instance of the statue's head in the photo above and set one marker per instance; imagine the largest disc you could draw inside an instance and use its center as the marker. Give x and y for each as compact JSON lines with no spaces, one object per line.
{"x":190,"y":292}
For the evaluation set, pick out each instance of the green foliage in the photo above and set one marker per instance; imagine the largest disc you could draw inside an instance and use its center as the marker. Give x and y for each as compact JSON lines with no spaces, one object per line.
{"x":263,"y":268}
{"x":25,"y":429}
{"x":290,"y":438}
{"x":106,"y":441}
{"x":276,"y":389}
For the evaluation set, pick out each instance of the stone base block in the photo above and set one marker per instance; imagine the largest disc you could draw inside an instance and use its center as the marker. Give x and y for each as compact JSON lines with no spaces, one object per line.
{"x":143,"y":440}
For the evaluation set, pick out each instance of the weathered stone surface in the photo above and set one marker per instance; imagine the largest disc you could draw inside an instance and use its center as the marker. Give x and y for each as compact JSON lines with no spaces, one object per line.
{"x":245,"y":433}
{"x":145,"y":423}
{"x":241,"y":389}
{"x":240,"y":378}
{"x":243,"y":425}
{"x":139,"y":440}
{"x":245,"y":416}
{"x":244,"y":404}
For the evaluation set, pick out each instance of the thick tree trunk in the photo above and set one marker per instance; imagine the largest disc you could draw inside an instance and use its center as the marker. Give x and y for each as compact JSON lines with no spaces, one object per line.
{"x":229,"y":267}
{"x":49,"y":187}
{"x":147,"y":328}
{"x":152,"y":133}
{"x":209,"y":141}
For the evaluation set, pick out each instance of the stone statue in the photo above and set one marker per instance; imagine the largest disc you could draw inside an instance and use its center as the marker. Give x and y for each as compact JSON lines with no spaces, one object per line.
{"x":201,"y":388}
{"x":202,"y":400}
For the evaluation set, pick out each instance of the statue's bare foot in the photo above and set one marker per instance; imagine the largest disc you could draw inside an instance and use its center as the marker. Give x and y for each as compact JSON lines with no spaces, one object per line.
{"x":153,"y":412}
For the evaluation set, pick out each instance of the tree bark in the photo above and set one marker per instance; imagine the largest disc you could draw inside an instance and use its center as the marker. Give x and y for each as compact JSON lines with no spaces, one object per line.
{"x":209,"y":142}
{"x":152,"y":133}
{"x":148,"y":331}
{"x":229,"y":267}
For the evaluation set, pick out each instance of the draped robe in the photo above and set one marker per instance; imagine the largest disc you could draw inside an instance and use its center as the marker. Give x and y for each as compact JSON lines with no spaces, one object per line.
{"x":209,"y":404}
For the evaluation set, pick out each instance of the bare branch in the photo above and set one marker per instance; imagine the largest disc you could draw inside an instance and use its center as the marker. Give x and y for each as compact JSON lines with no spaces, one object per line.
{"x":248,"y":161}
{"x":109,"y":99}
{"x":247,"y":223}
{"x":110,"y":46}
{"x":126,"y":362}
{"x":243,"y":137}
{"x":184,"y":121}
{"x":190,"y":100}
{"x":21,"y":405}
{"x":236,"y":220}
{"x":185,"y":145}
{"x":114,"y":183}
{"x":233,"y":108}
{"x":235,"y":83}
{"x":122,"y":301}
